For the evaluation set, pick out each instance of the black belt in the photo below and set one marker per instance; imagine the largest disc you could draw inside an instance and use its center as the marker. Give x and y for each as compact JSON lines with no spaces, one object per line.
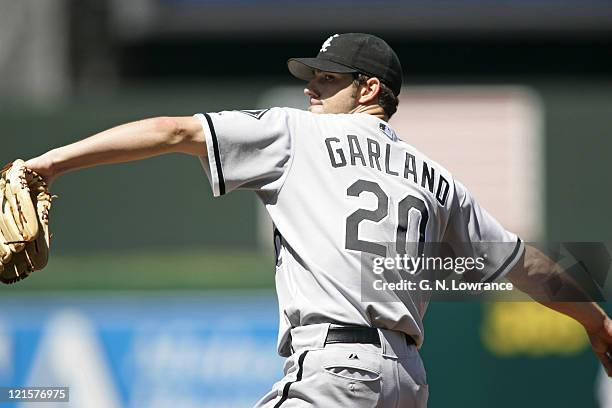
{"x":357,"y":334}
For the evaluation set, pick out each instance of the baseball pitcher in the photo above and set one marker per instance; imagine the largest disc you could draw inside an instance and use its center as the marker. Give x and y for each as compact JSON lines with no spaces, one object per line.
{"x":341,"y":189}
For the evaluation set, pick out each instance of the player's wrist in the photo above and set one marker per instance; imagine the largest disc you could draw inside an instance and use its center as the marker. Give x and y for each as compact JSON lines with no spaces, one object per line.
{"x":45,"y":165}
{"x":594,"y":319}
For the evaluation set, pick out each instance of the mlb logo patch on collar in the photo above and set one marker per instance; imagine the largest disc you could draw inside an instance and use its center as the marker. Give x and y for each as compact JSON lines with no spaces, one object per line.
{"x":390,"y":133}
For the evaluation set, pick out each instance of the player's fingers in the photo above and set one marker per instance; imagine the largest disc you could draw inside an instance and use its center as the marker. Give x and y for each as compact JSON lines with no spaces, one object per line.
{"x":606,"y":339}
{"x":606,"y":361}
{"x":606,"y":331}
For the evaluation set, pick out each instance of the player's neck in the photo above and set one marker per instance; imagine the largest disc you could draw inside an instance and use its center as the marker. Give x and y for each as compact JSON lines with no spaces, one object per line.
{"x":374,"y":110}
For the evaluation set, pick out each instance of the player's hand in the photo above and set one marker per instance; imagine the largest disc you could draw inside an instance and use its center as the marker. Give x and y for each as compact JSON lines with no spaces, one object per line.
{"x":43,"y":165}
{"x":601,"y":341}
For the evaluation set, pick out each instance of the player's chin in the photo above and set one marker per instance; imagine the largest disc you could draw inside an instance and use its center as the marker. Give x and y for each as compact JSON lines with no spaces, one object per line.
{"x":316,"y":109}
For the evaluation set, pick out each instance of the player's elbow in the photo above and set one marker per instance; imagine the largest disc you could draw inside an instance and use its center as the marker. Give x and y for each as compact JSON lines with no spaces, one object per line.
{"x":182,"y":134}
{"x":169,"y":129}
{"x":535,"y":274}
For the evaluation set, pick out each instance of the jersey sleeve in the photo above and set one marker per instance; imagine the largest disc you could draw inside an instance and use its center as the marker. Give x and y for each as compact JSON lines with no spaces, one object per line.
{"x":472,"y":232}
{"x":248,"y":150}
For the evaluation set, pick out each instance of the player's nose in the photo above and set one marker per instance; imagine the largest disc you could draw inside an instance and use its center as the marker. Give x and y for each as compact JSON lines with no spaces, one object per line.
{"x":309,"y":92}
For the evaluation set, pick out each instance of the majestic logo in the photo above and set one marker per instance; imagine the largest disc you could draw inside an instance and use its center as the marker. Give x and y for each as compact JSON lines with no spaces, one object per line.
{"x":327,"y":43}
{"x":257,"y":114}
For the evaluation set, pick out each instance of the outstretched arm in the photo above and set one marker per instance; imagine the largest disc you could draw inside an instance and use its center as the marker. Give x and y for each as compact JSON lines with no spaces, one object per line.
{"x":128,"y":142}
{"x":534,"y":275}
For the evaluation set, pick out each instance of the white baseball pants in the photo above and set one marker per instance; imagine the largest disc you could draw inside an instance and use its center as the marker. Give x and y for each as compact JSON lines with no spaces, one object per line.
{"x":349,"y":374}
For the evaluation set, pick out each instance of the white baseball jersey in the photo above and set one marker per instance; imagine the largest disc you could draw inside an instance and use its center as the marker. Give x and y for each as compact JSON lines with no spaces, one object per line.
{"x":338,"y":186}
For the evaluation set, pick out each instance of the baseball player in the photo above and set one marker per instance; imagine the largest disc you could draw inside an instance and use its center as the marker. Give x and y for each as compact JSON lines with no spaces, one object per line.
{"x":342,"y":190}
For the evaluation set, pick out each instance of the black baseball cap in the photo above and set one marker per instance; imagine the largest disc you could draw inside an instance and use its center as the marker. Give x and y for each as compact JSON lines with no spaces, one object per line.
{"x":353,"y":53}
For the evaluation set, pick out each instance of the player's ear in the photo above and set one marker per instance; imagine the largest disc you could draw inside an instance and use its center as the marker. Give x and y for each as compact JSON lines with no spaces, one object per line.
{"x":369,"y":91}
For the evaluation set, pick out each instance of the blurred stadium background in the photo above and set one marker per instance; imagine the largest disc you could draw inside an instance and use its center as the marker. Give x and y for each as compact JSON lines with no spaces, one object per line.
{"x":166,"y":297}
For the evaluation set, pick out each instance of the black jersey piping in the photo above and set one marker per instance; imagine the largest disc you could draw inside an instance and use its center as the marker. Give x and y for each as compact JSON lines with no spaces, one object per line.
{"x":215,"y":147}
{"x":509,"y":260}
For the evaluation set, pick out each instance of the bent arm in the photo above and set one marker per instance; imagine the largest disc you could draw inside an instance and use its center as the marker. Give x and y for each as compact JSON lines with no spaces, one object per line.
{"x":132,"y":141}
{"x":544,"y":280}
{"x":537,"y":273}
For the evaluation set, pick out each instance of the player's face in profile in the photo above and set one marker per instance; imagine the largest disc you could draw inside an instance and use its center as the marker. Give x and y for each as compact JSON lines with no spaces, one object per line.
{"x":331,"y":93}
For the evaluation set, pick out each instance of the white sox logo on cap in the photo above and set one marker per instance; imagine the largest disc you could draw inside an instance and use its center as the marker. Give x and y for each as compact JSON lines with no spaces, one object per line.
{"x":352,"y":53}
{"x":327,"y":43}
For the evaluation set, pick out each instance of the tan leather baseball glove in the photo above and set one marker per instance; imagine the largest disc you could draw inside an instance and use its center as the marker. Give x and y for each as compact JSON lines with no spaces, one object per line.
{"x":24,"y":222}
